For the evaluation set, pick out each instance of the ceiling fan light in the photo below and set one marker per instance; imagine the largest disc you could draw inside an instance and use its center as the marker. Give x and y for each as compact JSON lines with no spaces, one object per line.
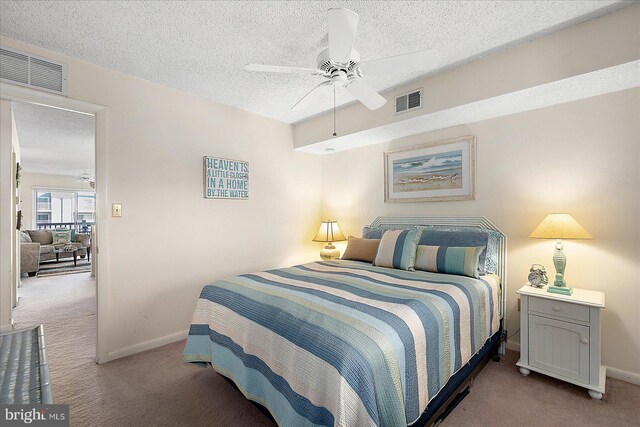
{"x":339,"y":77}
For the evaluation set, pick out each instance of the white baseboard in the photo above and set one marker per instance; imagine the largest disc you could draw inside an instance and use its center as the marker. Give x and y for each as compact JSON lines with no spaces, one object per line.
{"x":514,"y":345}
{"x":626,"y":376}
{"x":147,"y":345}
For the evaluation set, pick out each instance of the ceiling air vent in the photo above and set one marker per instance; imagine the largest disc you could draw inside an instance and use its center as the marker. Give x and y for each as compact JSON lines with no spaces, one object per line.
{"x":24,"y":69}
{"x":409,"y":101}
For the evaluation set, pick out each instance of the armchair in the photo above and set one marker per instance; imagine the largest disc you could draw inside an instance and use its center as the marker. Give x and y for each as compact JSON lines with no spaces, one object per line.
{"x":29,"y":258}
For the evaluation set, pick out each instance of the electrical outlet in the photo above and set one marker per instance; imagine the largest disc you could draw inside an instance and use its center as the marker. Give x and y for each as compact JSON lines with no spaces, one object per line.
{"x":116,"y":210}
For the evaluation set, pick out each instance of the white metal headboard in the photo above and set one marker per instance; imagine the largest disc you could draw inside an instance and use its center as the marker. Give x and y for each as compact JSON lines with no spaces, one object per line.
{"x":395,"y":222}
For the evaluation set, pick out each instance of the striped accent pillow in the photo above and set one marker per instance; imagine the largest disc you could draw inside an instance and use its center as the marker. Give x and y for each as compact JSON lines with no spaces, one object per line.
{"x":449,"y":259}
{"x":398,"y":249}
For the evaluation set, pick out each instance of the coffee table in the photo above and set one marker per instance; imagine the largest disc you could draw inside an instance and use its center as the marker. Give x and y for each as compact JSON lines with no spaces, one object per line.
{"x":67,"y":250}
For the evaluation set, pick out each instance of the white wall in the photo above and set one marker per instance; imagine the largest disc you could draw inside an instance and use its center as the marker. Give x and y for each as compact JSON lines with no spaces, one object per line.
{"x":6,"y":215}
{"x":30,"y":181}
{"x":170,"y":240}
{"x":9,"y":248}
{"x":15,"y":193}
{"x":581,"y":158}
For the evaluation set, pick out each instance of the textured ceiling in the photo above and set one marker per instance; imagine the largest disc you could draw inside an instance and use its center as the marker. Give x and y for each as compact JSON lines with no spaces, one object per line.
{"x":54,"y":141}
{"x":202,"y":47}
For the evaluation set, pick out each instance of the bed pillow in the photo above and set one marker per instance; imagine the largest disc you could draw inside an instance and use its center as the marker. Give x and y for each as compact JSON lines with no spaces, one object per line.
{"x":462,"y":261}
{"x":361,"y":249}
{"x":452,"y":236}
{"x":372,"y":232}
{"x":398,"y":249}
{"x":62,"y":236}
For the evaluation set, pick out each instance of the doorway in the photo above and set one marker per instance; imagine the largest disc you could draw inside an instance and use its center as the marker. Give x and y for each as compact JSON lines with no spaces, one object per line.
{"x":10,"y":94}
{"x":55,"y":197}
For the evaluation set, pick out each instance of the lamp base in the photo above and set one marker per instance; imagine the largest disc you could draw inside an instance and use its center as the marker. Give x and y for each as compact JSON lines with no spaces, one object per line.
{"x":564,"y":290}
{"x":329,"y":253}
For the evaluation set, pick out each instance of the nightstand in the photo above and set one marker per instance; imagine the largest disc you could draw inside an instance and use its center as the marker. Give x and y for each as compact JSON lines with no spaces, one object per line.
{"x":560,"y":336}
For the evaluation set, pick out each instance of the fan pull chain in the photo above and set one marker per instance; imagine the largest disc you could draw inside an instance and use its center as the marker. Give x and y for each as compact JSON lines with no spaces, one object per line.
{"x":334,"y":110}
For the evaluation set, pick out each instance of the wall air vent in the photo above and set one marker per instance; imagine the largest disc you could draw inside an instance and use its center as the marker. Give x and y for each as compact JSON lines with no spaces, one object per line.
{"x":24,"y":69}
{"x":409,"y":101}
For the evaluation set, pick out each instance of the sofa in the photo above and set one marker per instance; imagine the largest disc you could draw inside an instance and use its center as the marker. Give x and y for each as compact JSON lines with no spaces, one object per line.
{"x":37,"y":246}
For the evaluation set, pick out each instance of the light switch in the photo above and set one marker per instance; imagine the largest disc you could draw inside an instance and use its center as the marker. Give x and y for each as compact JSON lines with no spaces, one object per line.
{"x":116,"y":210}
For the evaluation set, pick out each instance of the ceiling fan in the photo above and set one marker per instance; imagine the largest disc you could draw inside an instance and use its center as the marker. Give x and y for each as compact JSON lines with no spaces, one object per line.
{"x":340,"y":64}
{"x":86,"y":178}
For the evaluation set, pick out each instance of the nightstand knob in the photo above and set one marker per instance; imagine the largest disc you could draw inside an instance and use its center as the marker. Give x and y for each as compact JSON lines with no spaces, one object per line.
{"x":556,"y":308}
{"x":584,"y":340}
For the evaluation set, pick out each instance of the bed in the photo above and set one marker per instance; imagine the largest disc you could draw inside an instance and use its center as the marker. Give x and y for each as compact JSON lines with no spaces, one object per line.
{"x":347,"y":343}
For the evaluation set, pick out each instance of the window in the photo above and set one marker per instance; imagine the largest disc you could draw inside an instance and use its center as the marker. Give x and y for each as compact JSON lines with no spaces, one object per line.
{"x":86,"y":217}
{"x":64,"y":208}
{"x":86,"y":210}
{"x":44,"y":202}
{"x":44,"y":217}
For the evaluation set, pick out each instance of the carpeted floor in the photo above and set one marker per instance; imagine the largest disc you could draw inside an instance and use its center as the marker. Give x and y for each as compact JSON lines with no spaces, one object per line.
{"x":156,"y":388}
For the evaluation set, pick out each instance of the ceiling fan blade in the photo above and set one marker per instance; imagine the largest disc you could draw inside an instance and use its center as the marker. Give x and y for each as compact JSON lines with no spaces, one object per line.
{"x":299,"y":104}
{"x":369,"y":97}
{"x":422,"y":60}
{"x":280,"y":69}
{"x":343,"y":25}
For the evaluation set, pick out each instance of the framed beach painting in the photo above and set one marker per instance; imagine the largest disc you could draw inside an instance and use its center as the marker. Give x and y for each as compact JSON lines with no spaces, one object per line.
{"x":433,"y":172}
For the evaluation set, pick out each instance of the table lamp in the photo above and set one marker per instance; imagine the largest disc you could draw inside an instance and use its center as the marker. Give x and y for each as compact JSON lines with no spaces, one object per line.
{"x":329,"y":232}
{"x":560,"y":226}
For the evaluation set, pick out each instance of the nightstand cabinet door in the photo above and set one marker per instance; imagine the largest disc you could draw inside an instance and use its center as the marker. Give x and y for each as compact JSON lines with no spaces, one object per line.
{"x":559,"y":347}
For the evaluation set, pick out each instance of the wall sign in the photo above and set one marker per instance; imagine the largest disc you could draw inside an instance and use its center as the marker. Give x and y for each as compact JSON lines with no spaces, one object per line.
{"x":225,"y":178}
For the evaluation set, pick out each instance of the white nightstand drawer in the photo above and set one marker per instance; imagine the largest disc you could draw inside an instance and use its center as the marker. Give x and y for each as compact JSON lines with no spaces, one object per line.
{"x":556,"y":308}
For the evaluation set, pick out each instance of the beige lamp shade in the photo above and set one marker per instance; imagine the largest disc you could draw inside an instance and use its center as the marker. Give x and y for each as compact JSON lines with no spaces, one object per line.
{"x":560,"y":226}
{"x":329,"y":232}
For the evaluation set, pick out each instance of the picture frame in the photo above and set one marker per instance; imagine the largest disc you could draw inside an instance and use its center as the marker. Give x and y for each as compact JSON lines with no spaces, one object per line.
{"x":438,"y":171}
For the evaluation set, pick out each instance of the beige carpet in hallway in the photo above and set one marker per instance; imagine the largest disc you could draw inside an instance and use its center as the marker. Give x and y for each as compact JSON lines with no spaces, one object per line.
{"x":156,"y":388}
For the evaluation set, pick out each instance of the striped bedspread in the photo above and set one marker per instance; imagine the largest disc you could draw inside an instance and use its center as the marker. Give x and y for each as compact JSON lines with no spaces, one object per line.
{"x":342,"y":342}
